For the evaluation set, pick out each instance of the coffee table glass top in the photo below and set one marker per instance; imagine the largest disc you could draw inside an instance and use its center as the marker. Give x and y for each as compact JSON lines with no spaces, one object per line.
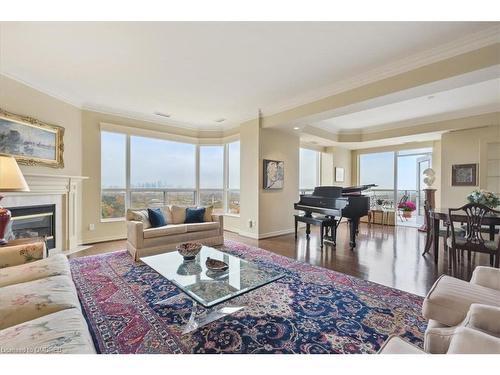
{"x":207,"y":287}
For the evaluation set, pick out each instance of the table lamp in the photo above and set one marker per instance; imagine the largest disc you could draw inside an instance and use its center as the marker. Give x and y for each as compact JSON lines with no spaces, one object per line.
{"x":11,"y":179}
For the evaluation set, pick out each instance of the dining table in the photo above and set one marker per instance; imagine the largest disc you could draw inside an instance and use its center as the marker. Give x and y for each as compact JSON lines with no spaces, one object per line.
{"x":438,"y":215}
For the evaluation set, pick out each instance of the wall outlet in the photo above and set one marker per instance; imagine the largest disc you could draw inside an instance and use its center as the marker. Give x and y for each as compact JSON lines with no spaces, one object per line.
{"x":91,"y":226}
{"x":250,"y":223}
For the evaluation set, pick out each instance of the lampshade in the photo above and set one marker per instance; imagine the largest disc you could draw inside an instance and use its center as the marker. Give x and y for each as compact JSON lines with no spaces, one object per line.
{"x":11,"y":177}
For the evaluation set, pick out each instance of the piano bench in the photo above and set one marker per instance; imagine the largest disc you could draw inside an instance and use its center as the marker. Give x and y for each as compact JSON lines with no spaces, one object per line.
{"x":323,"y":221}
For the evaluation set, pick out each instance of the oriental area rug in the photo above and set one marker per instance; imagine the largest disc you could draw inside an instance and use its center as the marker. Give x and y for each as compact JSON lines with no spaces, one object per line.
{"x":309,"y":310}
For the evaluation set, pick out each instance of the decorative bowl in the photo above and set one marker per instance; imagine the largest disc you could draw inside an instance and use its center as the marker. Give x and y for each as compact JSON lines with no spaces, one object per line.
{"x":189,"y":250}
{"x":216,"y":265}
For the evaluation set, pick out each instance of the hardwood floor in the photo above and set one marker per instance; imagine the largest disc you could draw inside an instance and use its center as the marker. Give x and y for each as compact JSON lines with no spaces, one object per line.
{"x":386,"y":255}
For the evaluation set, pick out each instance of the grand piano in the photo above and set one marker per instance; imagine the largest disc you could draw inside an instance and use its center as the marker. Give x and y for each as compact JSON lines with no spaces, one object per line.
{"x":336,"y":203}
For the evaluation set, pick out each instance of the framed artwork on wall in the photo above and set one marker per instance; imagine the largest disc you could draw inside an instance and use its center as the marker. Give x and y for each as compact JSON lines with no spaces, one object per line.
{"x":339,"y":174}
{"x":464,"y":175}
{"x":30,"y":141}
{"x":274,"y":174}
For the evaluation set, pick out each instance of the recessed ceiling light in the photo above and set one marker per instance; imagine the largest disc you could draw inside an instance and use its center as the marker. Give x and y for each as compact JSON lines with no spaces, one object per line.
{"x":219,"y":120}
{"x":430,"y":97}
{"x":162,"y":114}
{"x":296,"y":128}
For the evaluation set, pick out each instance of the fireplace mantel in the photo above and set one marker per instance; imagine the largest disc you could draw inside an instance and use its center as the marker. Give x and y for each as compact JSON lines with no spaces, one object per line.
{"x":62,"y":190}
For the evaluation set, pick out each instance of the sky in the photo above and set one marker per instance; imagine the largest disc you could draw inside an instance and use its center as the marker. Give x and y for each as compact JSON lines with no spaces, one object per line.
{"x":165,"y":164}
{"x":378,"y":168}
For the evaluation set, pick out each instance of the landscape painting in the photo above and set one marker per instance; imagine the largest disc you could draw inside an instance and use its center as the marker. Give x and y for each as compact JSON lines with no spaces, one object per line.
{"x":30,"y":141}
{"x":274,"y":174}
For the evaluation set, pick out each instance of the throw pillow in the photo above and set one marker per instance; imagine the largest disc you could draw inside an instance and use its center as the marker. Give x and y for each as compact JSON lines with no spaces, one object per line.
{"x":178,"y":214}
{"x":194,"y":215}
{"x":139,"y":215}
{"x":208,"y":213}
{"x":156,"y":217}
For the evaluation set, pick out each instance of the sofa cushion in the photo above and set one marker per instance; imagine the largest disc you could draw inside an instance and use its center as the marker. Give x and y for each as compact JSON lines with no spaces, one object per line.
{"x":61,"y":332}
{"x":178,"y":214}
{"x":449,"y":300}
{"x":51,"y":266}
{"x":139,"y":215}
{"x":165,"y":230}
{"x":156,"y":217}
{"x":194,"y":215}
{"x":26,"y":301}
{"x":196,"y":227}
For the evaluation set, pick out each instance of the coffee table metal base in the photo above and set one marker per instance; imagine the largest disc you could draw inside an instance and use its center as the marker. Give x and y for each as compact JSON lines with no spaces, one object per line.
{"x":208,"y":316}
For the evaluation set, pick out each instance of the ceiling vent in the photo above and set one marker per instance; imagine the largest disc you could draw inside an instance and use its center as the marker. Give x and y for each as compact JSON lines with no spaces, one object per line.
{"x":219,"y":120}
{"x":162,"y":114}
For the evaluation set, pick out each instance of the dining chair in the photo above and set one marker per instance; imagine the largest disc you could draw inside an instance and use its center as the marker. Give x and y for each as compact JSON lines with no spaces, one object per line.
{"x":472,"y":240}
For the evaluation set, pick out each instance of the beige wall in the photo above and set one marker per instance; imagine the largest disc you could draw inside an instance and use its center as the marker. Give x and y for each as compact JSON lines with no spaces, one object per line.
{"x":464,"y":147}
{"x":276,"y":206}
{"x":249,"y":177}
{"x":20,"y":99}
{"x":331,"y":158}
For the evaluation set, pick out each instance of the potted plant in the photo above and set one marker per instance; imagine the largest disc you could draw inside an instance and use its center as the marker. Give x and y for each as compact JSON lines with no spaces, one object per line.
{"x":485,"y":197}
{"x":407,"y":207}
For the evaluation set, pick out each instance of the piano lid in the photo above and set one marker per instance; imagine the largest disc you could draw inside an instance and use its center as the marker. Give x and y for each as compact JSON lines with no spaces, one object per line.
{"x":327,"y":191}
{"x":353,"y":190}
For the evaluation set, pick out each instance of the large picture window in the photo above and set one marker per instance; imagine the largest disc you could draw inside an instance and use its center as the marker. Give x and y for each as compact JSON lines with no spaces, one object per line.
{"x":233,"y":188}
{"x":139,"y":172}
{"x":308,"y":170}
{"x":113,"y":175}
{"x":212,"y":177}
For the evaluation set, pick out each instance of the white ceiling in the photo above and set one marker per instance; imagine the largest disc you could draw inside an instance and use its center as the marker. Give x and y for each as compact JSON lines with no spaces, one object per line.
{"x":199,"y":72}
{"x":476,"y":98}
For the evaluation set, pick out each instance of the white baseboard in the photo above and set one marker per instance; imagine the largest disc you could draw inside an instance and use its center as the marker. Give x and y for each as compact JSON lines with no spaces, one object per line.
{"x":89,"y":241}
{"x":248,"y":234}
{"x":232,"y":229}
{"x":261,"y":236}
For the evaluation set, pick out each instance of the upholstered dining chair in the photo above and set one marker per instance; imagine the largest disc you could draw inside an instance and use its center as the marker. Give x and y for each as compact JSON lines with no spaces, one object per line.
{"x":472,"y":240}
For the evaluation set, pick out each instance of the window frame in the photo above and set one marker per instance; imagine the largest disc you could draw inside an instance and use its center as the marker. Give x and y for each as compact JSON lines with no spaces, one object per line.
{"x":195,"y":190}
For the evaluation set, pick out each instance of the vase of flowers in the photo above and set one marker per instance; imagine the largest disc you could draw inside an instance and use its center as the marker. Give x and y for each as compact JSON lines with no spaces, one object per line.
{"x":485,"y":197}
{"x":407,"y":207}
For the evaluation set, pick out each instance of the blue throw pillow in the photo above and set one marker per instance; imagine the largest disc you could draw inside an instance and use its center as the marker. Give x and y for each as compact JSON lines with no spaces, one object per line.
{"x":194,"y":215}
{"x":156,"y":217}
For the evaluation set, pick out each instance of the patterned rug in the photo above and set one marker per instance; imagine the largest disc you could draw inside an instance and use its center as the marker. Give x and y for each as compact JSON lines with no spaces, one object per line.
{"x":309,"y":310}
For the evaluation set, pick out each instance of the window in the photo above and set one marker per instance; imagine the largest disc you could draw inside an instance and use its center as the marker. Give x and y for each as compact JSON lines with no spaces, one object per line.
{"x":308,"y":170}
{"x":212,"y":177}
{"x":157,"y":163}
{"x":233,"y":189}
{"x":377,"y":168}
{"x":113,"y":175}
{"x":164,"y":172}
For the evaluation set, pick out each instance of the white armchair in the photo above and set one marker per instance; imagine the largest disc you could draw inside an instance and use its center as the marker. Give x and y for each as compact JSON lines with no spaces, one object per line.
{"x":452,"y":304}
{"x":464,"y":341}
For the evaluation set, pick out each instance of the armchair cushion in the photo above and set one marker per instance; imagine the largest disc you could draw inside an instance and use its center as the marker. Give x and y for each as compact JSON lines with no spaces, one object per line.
{"x":449,"y":300}
{"x":14,"y":255}
{"x":488,"y":277}
{"x":165,"y":230}
{"x":485,"y":318}
{"x":471,"y":341}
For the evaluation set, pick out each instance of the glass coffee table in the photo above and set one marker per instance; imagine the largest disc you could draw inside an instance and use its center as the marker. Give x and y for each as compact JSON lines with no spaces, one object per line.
{"x":206,"y":287}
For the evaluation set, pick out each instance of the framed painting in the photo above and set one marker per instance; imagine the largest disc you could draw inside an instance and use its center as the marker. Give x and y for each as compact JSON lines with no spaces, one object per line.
{"x":339,"y":174}
{"x":274,"y":174}
{"x":30,"y":141}
{"x":464,"y":175}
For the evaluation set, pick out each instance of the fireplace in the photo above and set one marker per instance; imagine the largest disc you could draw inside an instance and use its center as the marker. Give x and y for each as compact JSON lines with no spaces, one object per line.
{"x":34,"y":221}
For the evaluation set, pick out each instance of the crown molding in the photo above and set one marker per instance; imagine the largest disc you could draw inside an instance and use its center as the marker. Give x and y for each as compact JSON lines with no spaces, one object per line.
{"x":457,"y":47}
{"x":52,"y":94}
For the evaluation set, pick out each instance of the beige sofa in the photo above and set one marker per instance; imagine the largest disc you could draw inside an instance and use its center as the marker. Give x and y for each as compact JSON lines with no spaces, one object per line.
{"x":143,"y":240}
{"x":40,"y":311}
